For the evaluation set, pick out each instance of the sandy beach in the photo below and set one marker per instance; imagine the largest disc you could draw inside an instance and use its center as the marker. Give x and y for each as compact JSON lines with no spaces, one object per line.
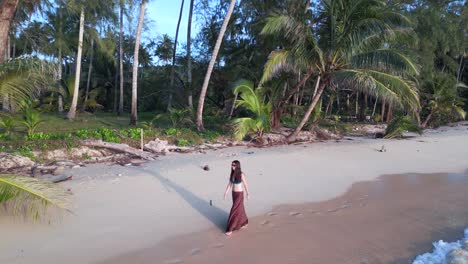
{"x":131,"y":213}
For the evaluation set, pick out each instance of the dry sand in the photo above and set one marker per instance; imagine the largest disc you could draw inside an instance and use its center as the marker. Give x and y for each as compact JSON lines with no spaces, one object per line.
{"x":120,"y":210}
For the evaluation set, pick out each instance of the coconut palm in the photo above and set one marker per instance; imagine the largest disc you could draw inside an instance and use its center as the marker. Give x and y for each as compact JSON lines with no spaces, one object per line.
{"x":30,"y":196}
{"x":444,"y":99}
{"x":134,"y":114}
{"x":354,"y":50}
{"x":201,"y":100}
{"x":253,"y":101}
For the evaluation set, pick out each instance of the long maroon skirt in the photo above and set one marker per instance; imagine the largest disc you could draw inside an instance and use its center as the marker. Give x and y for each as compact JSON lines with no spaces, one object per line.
{"x":237,"y":217}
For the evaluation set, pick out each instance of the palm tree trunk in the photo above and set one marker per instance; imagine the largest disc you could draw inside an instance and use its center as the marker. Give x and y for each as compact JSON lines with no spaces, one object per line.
{"x":201,"y":101}
{"x":90,"y":71}
{"x":76,"y":90}
{"x":7,"y":13}
{"x":59,"y":66}
{"x":233,"y":106}
{"x":426,"y":121}
{"x":134,"y":114}
{"x":389,"y":112}
{"x":382,"y":113}
{"x":169,"y":103}
{"x":375,"y":106}
{"x":279,"y":108}
{"x":189,"y":56}
{"x":116,"y":90}
{"x":121,"y":74}
{"x":320,"y":87}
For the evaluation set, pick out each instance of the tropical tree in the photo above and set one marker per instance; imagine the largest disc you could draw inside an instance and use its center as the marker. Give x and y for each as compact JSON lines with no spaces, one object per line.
{"x":72,"y":112}
{"x":189,"y":55}
{"x":443,"y":99}
{"x":26,"y":195}
{"x":254,"y":102}
{"x":201,"y":100}
{"x":354,"y":50}
{"x":174,"y":50}
{"x":134,"y":114}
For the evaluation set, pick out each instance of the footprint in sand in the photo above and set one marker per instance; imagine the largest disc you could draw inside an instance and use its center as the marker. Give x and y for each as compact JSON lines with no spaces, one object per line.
{"x":265,"y":222}
{"x":195,"y":251}
{"x":362,"y":204}
{"x":272,"y":214}
{"x":174,"y":261}
{"x":220,"y":245}
{"x":333,"y":210}
{"x":295,"y":213}
{"x":345,"y":206}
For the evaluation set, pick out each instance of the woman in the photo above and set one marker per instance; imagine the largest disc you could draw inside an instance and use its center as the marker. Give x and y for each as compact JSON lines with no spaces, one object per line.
{"x":237,"y":217}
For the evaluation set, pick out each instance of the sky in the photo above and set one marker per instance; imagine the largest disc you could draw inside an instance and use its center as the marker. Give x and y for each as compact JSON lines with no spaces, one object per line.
{"x":164,"y":15}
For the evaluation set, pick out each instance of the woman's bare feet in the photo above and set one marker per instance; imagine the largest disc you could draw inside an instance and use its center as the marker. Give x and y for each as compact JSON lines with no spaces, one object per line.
{"x":228,"y":233}
{"x":244,"y":226}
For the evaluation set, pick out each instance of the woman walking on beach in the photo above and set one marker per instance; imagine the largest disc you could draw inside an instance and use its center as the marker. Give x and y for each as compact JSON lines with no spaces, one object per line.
{"x":237,"y":217}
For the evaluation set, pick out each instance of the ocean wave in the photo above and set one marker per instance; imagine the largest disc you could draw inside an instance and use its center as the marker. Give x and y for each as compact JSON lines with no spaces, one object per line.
{"x":442,"y":250}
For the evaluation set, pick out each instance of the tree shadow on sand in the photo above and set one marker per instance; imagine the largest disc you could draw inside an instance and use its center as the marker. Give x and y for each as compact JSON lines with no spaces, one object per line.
{"x":213,"y":213}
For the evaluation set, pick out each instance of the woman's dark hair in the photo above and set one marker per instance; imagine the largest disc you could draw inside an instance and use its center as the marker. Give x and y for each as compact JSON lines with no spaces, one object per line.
{"x":236,"y":173}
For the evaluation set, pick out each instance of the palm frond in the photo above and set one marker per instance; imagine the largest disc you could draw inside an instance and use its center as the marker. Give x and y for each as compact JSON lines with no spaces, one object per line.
{"x":400,"y":125}
{"x":385,"y":59}
{"x":30,"y":196}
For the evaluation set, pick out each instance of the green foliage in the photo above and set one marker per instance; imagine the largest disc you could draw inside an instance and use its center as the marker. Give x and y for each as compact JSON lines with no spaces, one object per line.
{"x":255,"y":103}
{"x":8,"y":124}
{"x":181,"y":117}
{"x":183,"y":142}
{"x":31,"y":120}
{"x":30,"y":196}
{"x":400,"y":125}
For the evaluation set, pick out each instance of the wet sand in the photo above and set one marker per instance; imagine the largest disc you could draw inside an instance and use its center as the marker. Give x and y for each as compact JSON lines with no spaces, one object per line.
{"x":390,"y":220}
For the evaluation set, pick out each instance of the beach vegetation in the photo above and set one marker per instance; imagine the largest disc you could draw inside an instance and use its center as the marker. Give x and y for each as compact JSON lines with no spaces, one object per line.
{"x":255,"y":102}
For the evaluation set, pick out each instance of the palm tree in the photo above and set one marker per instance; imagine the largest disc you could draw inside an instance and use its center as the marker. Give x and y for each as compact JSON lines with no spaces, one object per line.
{"x":18,"y":193}
{"x":189,"y":55}
{"x":354,"y":50}
{"x":444,"y":98}
{"x":174,"y":56}
{"x":121,"y":74}
{"x":7,"y":13}
{"x":253,"y":101}
{"x":72,"y":112}
{"x":201,"y":101}
{"x":134,"y":114}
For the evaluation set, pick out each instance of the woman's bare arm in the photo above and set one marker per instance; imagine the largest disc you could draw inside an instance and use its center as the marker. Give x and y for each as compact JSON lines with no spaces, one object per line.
{"x":227,"y":189}
{"x":244,"y":181}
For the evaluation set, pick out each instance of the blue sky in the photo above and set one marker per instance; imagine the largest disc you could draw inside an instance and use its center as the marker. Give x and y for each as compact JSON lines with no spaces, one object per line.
{"x":165,"y":14}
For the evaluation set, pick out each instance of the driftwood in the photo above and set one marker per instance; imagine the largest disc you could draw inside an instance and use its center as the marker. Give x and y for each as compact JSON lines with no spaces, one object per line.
{"x":59,"y":178}
{"x":119,"y":148}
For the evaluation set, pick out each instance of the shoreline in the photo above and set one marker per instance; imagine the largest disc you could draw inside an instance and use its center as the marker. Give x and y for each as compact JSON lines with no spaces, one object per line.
{"x":122,"y":209}
{"x":356,"y":227}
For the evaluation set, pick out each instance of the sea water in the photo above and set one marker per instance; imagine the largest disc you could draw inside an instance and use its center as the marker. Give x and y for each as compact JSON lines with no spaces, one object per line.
{"x":440,"y":252}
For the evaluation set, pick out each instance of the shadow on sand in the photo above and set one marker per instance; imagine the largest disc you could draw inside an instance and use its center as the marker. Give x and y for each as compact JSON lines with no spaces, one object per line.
{"x":216,"y":215}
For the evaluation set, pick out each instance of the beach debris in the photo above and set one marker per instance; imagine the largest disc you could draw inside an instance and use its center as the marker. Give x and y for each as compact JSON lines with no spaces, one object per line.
{"x":60,"y":178}
{"x":195,"y":251}
{"x":13,"y":163}
{"x":174,"y":261}
{"x":383,"y":149}
{"x":294,"y":213}
{"x":206,"y":168}
{"x":118,"y":147}
{"x":457,"y":256}
{"x":157,"y":146}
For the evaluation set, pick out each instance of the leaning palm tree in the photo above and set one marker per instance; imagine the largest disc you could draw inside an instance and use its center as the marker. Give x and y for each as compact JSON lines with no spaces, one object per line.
{"x":30,"y":196}
{"x":253,"y":101}
{"x":201,"y":100}
{"x":354,"y":50}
